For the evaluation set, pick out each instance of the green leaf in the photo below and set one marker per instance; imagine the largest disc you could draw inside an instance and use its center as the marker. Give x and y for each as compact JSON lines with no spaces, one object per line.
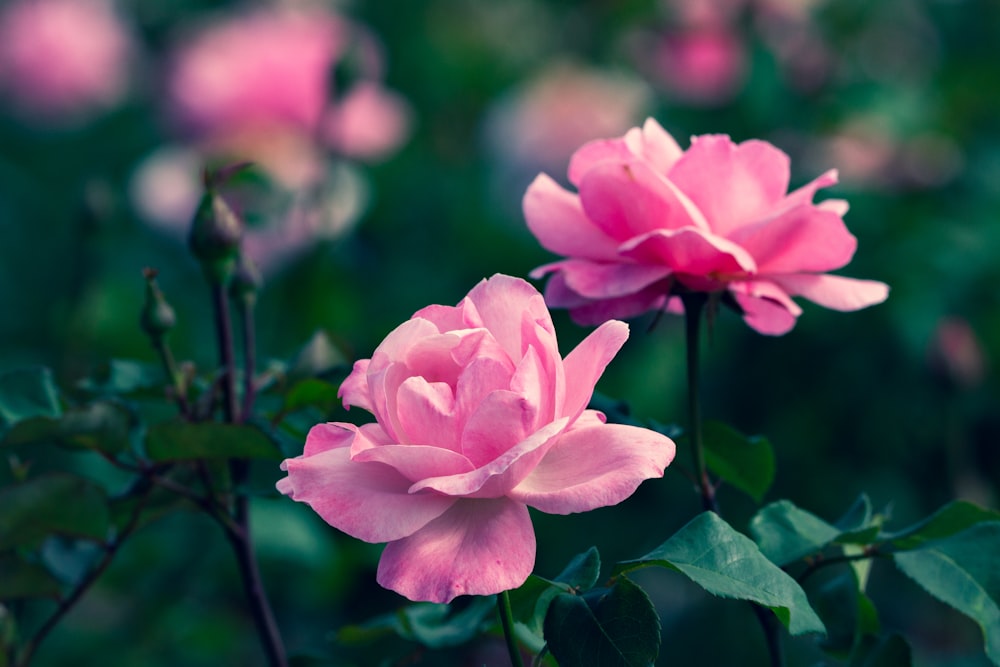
{"x":963,"y":571}
{"x":606,"y":627}
{"x":27,"y":393}
{"x":530,"y":601}
{"x":745,"y":462}
{"x":859,"y":525}
{"x":51,"y":504}
{"x":786,"y":533}
{"x":951,"y":519}
{"x":728,"y":564}
{"x":101,"y":426}
{"x":22,"y":579}
{"x":439,"y":626}
{"x":583,"y":570}
{"x":184,"y":441}
{"x":125,"y":376}
{"x":310,"y":392}
{"x":889,"y":651}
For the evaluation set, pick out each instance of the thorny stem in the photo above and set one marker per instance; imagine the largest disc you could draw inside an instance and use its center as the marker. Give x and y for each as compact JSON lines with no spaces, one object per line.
{"x":507,"y":621}
{"x":249,"y":356}
{"x":227,"y":357}
{"x":239,"y":534}
{"x":68,"y":602}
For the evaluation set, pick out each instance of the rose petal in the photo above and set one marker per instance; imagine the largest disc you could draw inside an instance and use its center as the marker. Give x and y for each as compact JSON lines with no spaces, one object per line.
{"x":836,"y":292}
{"x":426,"y":412}
{"x":503,"y":302}
{"x":652,"y":144}
{"x":500,"y":422}
{"x":766,"y":307}
{"x":626,"y":199}
{"x":354,"y":389}
{"x":369,"y":501}
{"x":417,"y":462}
{"x":804,"y":238}
{"x":586,"y":363}
{"x":555,"y":216}
{"x":731,"y":184}
{"x":503,"y":473}
{"x":700,"y":256}
{"x":478,"y":547}
{"x":601,"y":280}
{"x":594,"y":466}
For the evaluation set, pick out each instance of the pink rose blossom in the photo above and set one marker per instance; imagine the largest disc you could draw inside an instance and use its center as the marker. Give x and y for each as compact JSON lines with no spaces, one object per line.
{"x":478,"y":417}
{"x":240,"y":82}
{"x":651,"y":219}
{"x":63,"y":59}
{"x":702,"y":65}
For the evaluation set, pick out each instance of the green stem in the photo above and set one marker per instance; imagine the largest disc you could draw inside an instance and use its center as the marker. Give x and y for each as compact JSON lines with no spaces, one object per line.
{"x":507,"y":621}
{"x":694,"y":305}
{"x":176,"y":378}
{"x":227,"y":357}
{"x":249,"y":355}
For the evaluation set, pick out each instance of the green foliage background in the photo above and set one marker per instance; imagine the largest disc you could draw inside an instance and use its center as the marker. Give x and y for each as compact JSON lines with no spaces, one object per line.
{"x":850,"y":402}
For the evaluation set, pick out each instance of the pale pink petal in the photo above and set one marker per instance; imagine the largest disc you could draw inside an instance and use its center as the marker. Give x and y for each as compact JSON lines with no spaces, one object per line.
{"x":395,"y":345}
{"x":803,"y":238}
{"x":594,"y":466}
{"x":838,"y":206}
{"x":767,"y":308}
{"x":503,"y":302}
{"x":651,"y":143}
{"x":369,"y":501}
{"x":731,"y":184}
{"x":535,"y":380}
{"x":331,"y":435}
{"x":354,"y":389}
{"x":597,"y":152}
{"x":480,"y":377}
{"x":626,"y":199}
{"x":603,"y":280}
{"x":555,"y":217}
{"x":805,"y":194}
{"x":654,"y":145}
{"x":586,"y":363}
{"x":699,"y":256}
{"x":500,"y":422}
{"x":836,"y":292}
{"x":426,"y":413}
{"x":417,"y":462}
{"x":432,"y":357}
{"x":445,"y":318}
{"x":384,"y":386}
{"x":501,"y":474}
{"x":590,"y":312}
{"x":366,"y":436}
{"x":478,"y":547}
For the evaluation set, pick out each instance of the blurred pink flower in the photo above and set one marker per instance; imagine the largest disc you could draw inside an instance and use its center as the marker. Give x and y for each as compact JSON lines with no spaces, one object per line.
{"x":650,"y":219}
{"x":704,"y":65}
{"x":240,"y":83}
{"x":541,"y":123}
{"x":63,"y":59}
{"x":478,"y":417}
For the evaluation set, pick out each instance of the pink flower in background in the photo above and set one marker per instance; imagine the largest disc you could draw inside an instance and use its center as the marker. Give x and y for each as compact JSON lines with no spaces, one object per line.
{"x":955,"y":354}
{"x":650,"y":219}
{"x":540,"y":124}
{"x":702,"y":65}
{"x":63,"y":59}
{"x":239,"y":83}
{"x":478,"y":417}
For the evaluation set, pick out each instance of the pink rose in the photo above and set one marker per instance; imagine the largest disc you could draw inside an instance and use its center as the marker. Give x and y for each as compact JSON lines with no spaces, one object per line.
{"x":63,"y":59}
{"x":249,"y":82}
{"x":478,"y":417}
{"x":651,"y":219}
